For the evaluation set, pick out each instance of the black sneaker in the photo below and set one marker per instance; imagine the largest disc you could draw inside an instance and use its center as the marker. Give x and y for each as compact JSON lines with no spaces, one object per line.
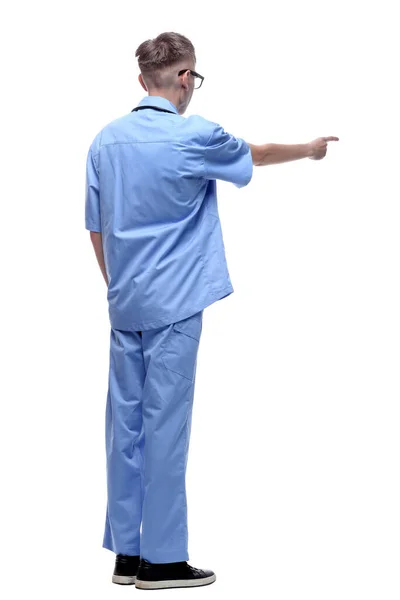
{"x":125,"y":569}
{"x":153,"y":576}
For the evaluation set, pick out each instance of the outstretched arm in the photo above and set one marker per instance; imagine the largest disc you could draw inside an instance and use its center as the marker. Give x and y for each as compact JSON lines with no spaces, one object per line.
{"x":270,"y":154}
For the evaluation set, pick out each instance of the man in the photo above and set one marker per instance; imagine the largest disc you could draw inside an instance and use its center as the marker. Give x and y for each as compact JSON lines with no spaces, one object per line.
{"x":151,"y":208}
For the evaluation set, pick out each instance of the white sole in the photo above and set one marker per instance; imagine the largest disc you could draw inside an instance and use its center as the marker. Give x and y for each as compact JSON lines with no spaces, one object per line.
{"x":172,"y":583}
{"x":124,"y":579}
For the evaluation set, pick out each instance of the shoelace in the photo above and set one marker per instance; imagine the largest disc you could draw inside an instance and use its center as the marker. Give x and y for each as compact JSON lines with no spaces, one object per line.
{"x":199,"y":571}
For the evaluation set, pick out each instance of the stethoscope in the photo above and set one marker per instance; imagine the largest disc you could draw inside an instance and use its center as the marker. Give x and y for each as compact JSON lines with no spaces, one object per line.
{"x":154,"y":108}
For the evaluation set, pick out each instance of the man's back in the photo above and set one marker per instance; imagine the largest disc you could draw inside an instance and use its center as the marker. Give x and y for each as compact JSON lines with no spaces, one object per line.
{"x":151,"y":192}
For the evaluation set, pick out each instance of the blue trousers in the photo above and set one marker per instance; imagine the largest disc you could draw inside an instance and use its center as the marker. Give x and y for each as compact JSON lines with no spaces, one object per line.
{"x":147,"y":426}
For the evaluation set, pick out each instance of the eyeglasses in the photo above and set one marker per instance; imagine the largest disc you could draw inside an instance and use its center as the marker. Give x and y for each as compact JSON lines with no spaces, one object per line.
{"x":199,"y":78}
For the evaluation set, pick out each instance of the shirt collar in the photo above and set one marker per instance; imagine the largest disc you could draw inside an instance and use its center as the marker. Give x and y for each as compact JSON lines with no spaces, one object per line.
{"x":158,"y":101}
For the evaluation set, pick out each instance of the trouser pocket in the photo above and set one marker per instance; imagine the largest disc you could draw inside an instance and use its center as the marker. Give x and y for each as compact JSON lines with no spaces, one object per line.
{"x":181,"y":345}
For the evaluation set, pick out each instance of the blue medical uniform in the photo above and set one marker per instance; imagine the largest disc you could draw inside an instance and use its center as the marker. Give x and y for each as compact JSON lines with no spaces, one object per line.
{"x":151,"y":191}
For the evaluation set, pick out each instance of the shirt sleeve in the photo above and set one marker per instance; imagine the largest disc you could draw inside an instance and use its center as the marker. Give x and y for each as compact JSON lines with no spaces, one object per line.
{"x":92,"y":199}
{"x":228,"y":158}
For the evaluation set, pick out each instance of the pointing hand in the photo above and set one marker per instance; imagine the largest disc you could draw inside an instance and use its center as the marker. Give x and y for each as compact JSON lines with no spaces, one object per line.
{"x":319,"y":146}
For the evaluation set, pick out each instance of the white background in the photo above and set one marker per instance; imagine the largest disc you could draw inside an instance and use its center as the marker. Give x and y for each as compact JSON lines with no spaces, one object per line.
{"x":293,"y":472}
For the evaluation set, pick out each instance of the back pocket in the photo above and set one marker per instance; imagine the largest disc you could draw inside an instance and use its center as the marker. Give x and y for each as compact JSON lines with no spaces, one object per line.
{"x":181,"y":346}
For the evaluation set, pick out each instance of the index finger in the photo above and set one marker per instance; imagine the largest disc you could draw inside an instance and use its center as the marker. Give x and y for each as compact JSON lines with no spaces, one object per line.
{"x":331,"y":138}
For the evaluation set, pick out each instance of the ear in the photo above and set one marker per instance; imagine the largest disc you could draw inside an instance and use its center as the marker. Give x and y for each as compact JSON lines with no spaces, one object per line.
{"x":142,"y":83}
{"x":185,"y":80}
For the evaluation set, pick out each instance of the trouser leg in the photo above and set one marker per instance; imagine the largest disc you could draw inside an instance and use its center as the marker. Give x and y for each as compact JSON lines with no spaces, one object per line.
{"x":124,"y":443}
{"x":170,"y":355}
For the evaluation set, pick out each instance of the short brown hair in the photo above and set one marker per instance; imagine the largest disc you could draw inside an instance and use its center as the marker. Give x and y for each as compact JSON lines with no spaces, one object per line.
{"x":165,"y":50}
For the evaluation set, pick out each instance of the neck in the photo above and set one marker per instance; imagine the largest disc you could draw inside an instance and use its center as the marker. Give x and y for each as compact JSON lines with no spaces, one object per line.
{"x":168,"y":94}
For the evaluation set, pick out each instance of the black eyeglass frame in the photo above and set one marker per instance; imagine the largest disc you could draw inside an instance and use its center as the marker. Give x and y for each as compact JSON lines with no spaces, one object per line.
{"x":194,"y":75}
